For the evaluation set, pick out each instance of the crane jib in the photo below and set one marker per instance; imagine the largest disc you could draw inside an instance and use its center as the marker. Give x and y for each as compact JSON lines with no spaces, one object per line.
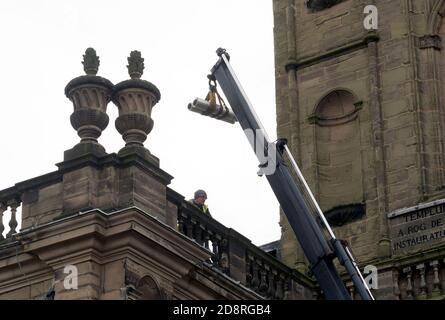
{"x":296,"y":205}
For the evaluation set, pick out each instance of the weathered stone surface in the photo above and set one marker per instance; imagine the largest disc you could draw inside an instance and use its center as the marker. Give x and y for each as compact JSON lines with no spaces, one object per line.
{"x":393,"y":155}
{"x":135,"y":99}
{"x":112,"y":254}
{"x":417,"y":229}
{"x":90,"y":95}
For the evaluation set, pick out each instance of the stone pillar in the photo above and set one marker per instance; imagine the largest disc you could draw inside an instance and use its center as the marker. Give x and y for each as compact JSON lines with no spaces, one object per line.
{"x":294,"y":111}
{"x":237,"y":256}
{"x":384,"y":245}
{"x":3,"y":208}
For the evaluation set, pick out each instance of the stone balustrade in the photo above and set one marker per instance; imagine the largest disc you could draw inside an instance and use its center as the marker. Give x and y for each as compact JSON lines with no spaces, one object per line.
{"x":237,"y":257}
{"x":266,"y":278}
{"x":419,"y":281}
{"x":16,"y":197}
{"x":11,"y":201}
{"x":206,"y":232}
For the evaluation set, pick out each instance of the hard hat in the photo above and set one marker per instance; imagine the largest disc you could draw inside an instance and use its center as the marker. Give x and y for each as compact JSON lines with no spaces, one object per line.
{"x":200,"y":193}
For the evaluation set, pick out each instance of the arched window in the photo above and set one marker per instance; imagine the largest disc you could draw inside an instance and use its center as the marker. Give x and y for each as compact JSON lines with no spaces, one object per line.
{"x":338,"y":155}
{"x":149,"y":289}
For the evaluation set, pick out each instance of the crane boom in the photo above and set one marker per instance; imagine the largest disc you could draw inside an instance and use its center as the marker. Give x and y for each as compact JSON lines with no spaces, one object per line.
{"x":295,"y":198}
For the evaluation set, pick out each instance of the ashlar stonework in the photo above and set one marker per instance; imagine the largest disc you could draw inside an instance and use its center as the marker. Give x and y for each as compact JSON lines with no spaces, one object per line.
{"x":363,"y":111}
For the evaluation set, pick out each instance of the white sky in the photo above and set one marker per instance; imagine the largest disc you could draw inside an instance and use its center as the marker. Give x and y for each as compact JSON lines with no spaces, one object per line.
{"x":42,"y":47}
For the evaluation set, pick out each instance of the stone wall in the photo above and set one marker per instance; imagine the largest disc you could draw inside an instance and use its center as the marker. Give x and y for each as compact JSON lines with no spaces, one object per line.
{"x":394,"y":74}
{"x":128,"y":236}
{"x":127,"y":254}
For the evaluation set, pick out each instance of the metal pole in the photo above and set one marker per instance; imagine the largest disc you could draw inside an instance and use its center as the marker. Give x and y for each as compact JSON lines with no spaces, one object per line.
{"x":348,"y":260}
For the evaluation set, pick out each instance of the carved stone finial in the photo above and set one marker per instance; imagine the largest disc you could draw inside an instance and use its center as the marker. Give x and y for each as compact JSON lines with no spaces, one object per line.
{"x":90,"y":95}
{"x":90,"y":62}
{"x":135,"y":65}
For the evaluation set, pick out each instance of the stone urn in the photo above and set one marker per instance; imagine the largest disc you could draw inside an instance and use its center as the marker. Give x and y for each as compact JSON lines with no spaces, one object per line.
{"x":90,"y":95}
{"x":135,"y":99}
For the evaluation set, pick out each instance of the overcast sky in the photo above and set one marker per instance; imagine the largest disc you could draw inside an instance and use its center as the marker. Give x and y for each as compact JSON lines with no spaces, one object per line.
{"x":42,"y":47}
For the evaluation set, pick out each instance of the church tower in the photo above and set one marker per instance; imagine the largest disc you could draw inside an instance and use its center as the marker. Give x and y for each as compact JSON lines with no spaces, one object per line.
{"x":360,"y":91}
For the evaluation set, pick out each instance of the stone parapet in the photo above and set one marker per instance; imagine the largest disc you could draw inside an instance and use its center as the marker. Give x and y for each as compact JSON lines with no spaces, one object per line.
{"x":126,"y":254}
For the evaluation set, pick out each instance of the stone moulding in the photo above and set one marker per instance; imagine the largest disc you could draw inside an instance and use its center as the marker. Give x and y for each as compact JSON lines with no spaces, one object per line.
{"x":133,"y":123}
{"x":87,"y":79}
{"x":323,"y":120}
{"x":327,"y":122}
{"x":420,"y":206}
{"x":21,"y":188}
{"x":82,"y":118}
{"x":430,"y":41}
{"x":137,"y":83}
{"x":342,"y":50}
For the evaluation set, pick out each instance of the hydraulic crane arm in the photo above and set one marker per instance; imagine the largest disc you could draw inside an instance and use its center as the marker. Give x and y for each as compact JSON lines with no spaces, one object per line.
{"x":296,"y":199}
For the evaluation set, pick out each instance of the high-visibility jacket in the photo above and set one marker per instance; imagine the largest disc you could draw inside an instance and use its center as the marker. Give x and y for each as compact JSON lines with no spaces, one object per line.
{"x":204,"y":208}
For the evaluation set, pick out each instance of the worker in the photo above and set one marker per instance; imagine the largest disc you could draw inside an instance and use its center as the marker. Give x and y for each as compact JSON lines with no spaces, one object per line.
{"x":199,"y":200}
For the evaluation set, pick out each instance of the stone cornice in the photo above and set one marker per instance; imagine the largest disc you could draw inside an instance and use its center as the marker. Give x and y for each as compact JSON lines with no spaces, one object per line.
{"x":113,"y":159}
{"x":100,"y":237}
{"x":96,"y":230}
{"x":412,"y":209}
{"x":16,"y":191}
{"x":421,"y":256}
{"x":174,"y":197}
{"x":206,"y":275}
